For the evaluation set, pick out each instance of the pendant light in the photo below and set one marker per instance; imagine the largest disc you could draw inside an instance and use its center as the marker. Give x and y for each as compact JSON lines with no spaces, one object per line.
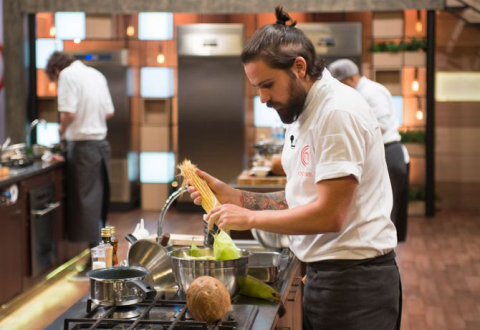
{"x":130,"y":31}
{"x":418,"y":23}
{"x":415,"y":83}
{"x":419,"y":112}
{"x":160,"y":56}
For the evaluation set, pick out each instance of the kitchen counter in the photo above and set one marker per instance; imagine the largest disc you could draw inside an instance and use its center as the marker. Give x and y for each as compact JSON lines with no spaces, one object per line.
{"x":20,"y":174}
{"x":268,"y":312}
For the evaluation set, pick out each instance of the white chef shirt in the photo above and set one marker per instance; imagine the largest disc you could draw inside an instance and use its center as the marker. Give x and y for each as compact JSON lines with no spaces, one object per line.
{"x":380,"y":100}
{"x":83,"y":91}
{"x":337,"y":135}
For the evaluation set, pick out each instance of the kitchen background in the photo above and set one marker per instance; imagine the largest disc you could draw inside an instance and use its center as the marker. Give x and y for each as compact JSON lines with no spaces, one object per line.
{"x":393,"y":52}
{"x":165,"y":114}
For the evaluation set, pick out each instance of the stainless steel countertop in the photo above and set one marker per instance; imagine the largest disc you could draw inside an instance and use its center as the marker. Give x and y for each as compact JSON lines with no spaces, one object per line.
{"x":20,"y":174}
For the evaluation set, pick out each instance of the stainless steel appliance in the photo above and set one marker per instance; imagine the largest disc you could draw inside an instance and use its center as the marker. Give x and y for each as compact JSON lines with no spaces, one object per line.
{"x":158,"y":314}
{"x":124,"y":185}
{"x":211,"y":98}
{"x":333,"y":41}
{"x":43,"y":228}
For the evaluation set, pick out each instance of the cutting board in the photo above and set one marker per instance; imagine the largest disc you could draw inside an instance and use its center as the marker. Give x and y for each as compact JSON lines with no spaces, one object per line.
{"x":245,"y":179}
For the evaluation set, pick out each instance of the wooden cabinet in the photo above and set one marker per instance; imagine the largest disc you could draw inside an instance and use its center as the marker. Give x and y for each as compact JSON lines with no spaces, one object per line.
{"x":12,"y":244}
{"x":16,"y":275}
{"x":293,"y":317}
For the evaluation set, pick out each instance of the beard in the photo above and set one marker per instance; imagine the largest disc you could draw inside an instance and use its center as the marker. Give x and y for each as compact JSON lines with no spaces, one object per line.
{"x":291,"y":110}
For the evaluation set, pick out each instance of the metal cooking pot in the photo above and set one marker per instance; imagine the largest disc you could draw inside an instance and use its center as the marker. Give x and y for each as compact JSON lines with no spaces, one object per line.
{"x":119,"y":286}
{"x":152,"y":256}
{"x":227,"y":271}
{"x":271,"y":240}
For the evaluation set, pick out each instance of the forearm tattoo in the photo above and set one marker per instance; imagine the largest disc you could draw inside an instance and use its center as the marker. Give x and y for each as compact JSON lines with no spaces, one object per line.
{"x":264,"y":201}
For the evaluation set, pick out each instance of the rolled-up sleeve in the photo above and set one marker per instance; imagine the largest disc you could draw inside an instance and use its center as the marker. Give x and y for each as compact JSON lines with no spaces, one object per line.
{"x":67,"y":95}
{"x":339,"y":147}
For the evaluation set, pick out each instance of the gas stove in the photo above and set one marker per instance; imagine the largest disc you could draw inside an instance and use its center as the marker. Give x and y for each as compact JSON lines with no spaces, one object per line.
{"x":158,"y":314}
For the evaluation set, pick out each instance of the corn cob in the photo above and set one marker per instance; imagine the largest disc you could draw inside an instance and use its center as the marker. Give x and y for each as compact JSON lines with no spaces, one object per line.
{"x":187,"y":169}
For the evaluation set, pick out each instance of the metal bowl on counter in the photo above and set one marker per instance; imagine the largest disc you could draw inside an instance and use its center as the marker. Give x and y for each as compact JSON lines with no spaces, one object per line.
{"x":186,"y":270}
{"x":271,"y":240}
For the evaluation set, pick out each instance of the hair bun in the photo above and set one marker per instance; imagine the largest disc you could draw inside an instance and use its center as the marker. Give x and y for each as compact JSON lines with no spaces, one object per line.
{"x":283,"y":17}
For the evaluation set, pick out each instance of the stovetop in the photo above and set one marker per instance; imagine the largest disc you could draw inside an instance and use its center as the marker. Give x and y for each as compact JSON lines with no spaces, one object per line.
{"x":158,"y":314}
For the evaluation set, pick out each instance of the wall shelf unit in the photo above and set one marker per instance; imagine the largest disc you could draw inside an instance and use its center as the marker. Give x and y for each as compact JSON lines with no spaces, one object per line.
{"x":398,"y":61}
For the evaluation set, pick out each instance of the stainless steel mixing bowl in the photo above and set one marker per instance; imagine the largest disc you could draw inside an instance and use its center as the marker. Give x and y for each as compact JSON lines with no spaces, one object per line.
{"x":271,"y":240}
{"x":228,"y":272}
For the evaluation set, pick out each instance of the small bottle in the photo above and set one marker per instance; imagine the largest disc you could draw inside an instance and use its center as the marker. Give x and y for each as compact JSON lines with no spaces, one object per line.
{"x":107,"y":245}
{"x":114,"y":243}
{"x":99,"y":256}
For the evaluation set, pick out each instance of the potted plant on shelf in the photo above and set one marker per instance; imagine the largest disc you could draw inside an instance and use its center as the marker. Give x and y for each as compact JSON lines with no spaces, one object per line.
{"x":391,"y":54}
{"x":414,"y":141}
{"x":416,"y":201}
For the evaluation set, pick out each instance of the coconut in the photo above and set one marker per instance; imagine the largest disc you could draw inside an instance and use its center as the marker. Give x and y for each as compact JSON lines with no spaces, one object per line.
{"x":207,"y":299}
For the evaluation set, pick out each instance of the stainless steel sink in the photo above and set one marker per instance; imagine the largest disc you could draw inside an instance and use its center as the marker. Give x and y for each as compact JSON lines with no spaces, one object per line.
{"x":252,"y":246}
{"x":264,"y":263}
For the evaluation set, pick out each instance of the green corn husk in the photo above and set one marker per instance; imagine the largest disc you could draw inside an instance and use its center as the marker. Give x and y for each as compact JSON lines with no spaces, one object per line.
{"x":253,"y":287}
{"x":194,"y":251}
{"x":224,"y":248}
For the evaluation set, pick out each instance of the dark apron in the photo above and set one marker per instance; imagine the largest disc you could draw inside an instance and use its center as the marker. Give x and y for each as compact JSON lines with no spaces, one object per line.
{"x":353,"y":295}
{"x":88,"y":190}
{"x":398,"y":172}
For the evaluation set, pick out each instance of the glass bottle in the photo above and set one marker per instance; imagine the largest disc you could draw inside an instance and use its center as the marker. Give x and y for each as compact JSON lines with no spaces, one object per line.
{"x":108,"y":246}
{"x":114,"y":243}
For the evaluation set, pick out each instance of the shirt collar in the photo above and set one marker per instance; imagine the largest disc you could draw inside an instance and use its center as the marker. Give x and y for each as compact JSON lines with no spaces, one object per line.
{"x":314,"y":90}
{"x":77,"y":63}
{"x":361,"y":83}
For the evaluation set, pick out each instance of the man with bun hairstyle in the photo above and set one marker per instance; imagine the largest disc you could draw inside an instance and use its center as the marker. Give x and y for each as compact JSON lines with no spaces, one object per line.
{"x":380,"y":100}
{"x":337,"y":201}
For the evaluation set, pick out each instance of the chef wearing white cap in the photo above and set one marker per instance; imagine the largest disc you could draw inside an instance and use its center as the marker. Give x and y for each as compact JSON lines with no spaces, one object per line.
{"x":380,"y":100}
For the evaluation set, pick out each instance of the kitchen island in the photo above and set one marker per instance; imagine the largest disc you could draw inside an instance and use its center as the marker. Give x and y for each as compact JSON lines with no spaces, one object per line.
{"x":245,"y":313}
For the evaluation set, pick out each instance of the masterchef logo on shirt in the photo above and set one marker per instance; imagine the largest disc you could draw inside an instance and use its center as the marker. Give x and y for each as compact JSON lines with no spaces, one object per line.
{"x":305,"y":159}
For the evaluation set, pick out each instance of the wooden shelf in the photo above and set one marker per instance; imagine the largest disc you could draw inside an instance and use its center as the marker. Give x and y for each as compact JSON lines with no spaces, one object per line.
{"x":157,"y":111}
{"x":387,"y":24}
{"x":47,"y":109}
{"x":245,"y":179}
{"x":390,"y":78}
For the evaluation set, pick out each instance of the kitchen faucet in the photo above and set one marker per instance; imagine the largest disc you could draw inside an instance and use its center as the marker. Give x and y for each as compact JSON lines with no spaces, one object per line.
{"x":30,"y":128}
{"x":208,"y":234}
{"x":165,"y":208}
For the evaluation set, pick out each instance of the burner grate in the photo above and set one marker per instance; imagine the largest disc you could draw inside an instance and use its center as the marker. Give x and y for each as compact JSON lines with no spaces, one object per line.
{"x":101,"y":317}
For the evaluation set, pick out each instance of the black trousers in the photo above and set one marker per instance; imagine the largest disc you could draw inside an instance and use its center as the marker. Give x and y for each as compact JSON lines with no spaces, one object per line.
{"x":353,"y":295}
{"x":398,"y":172}
{"x":88,"y":189}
